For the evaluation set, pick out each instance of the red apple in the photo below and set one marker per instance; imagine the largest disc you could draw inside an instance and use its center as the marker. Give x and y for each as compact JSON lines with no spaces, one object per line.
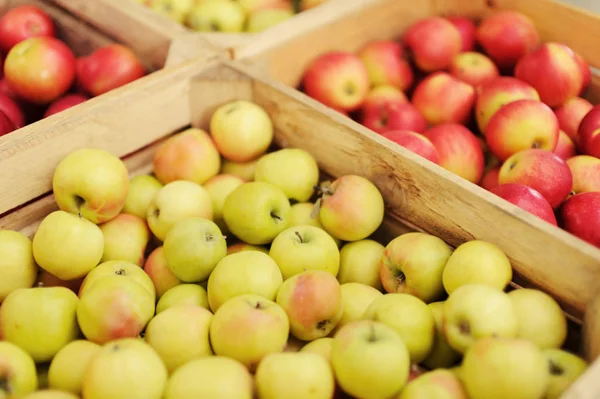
{"x":506,"y":36}
{"x":337,"y":79}
{"x":12,"y":110}
{"x":441,"y":98}
{"x":526,"y":198}
{"x":585,"y":71}
{"x":379,"y":95}
{"x":458,"y":149}
{"x":386,"y":65}
{"x":588,"y":134}
{"x":6,"y":90}
{"x":392,"y":116}
{"x":467,"y":29}
{"x":23,"y":22}
{"x":490,"y":178}
{"x":541,"y":170}
{"x":433,"y":41}
{"x":586,"y":173}
{"x":473,"y":68}
{"x":414,"y":142}
{"x":571,"y":113}
{"x":6,"y":124}
{"x":65,"y":102}
{"x":580,"y":216}
{"x":520,"y":125}
{"x":565,"y":148}
{"x":40,"y":69}
{"x":107,"y":68}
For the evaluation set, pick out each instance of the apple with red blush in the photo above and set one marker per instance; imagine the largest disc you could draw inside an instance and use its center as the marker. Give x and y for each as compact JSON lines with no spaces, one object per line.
{"x":23,"y":22}
{"x":473,"y":68}
{"x":588,"y":133}
{"x":389,"y":116}
{"x":65,"y":102}
{"x":526,"y":198}
{"x":565,"y":147}
{"x":434,"y":42}
{"x":571,"y":113}
{"x":586,"y":72}
{"x":414,"y":142}
{"x":586,"y":173}
{"x":385,"y":64}
{"x":467,"y":29}
{"x":489,"y":180}
{"x":12,"y":110}
{"x":6,"y":124}
{"x":580,"y":216}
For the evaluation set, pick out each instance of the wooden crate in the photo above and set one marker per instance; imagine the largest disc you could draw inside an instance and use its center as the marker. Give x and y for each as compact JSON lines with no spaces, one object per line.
{"x":418,"y":195}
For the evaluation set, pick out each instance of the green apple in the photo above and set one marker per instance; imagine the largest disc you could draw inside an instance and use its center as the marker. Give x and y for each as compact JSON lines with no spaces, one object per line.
{"x":438,"y":384}
{"x":477,"y":262}
{"x":256,"y":212}
{"x":177,"y":201}
{"x":176,"y":10}
{"x":67,"y":246}
{"x":296,"y":375}
{"x":242,"y":130}
{"x":120,"y":269}
{"x":92,"y":183}
{"x":369,"y":360}
{"x":51,"y":394}
{"x":249,"y":327}
{"x":320,"y":346}
{"x":68,"y":366}
{"x":142,"y":189}
{"x":501,"y":368}
{"x":219,"y":187}
{"x":17,"y":266}
{"x":17,"y":371}
{"x":113,"y":308}
{"x":410,"y":317}
{"x":442,"y":355}
{"x":475,"y":311}
{"x":359,"y":263}
{"x":125,"y":238}
{"x":246,"y":272}
{"x":183,"y":294}
{"x":356,"y":298}
{"x":118,"y":364}
{"x":244,"y":170}
{"x":252,"y":6}
{"x":157,"y":269}
{"x":540,"y":318}
{"x":210,"y":377}
{"x":193,"y":247}
{"x":277,"y":167}
{"x":264,"y":19}
{"x":217,"y":16}
{"x":564,"y":368}
{"x":190,"y":324}
{"x":303,"y":213}
{"x":242,"y":246}
{"x":351,"y":208}
{"x":413,"y":263}
{"x":54,"y":310}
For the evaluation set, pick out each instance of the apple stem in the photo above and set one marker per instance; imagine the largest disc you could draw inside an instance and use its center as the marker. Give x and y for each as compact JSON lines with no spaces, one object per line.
{"x":372,"y":334}
{"x":277,"y":217}
{"x":299,"y":236}
{"x":316,"y":209}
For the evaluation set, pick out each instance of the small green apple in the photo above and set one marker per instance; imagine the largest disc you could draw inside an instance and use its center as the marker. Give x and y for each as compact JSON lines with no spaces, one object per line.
{"x":442,"y":355}
{"x":17,"y":266}
{"x":356,"y":298}
{"x":438,"y":384}
{"x":157,"y":269}
{"x":244,"y":170}
{"x":142,"y":189}
{"x":68,"y":366}
{"x":120,"y":269}
{"x":217,"y":16}
{"x":125,"y":238}
{"x":320,"y":346}
{"x":176,"y":10}
{"x":17,"y":371}
{"x":359,"y":263}
{"x":183,"y":294}
{"x":564,"y":368}
{"x":219,"y":187}
{"x":264,"y":19}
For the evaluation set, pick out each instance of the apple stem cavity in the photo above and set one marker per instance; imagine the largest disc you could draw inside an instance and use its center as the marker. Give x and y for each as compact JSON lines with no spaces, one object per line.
{"x":276,"y":217}
{"x":5,"y":385}
{"x":400,"y":278}
{"x":209,"y":237}
{"x":322,"y":325}
{"x":372,"y":334}
{"x":121,"y":272}
{"x":79,"y":201}
{"x":464,"y":327}
{"x":555,"y":369}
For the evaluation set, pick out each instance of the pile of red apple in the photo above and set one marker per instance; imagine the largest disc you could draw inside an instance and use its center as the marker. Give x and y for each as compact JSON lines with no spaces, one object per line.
{"x":42,"y":76}
{"x":489,"y":102}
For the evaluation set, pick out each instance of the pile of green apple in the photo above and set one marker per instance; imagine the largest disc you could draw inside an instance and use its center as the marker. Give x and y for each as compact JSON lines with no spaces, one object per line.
{"x":237,"y":272}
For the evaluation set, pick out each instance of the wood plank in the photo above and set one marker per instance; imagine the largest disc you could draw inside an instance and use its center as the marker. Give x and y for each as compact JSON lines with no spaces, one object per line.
{"x":587,"y":386}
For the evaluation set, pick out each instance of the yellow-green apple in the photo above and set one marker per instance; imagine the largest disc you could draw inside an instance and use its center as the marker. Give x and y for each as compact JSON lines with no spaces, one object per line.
{"x":312,"y":301}
{"x":500,"y":368}
{"x":210,"y":377}
{"x":459,"y":150}
{"x":242,"y":246}
{"x":413,"y":263}
{"x":302,"y":248}
{"x":351,"y":208}
{"x":125,"y":238}
{"x":219,"y":187}
{"x":177,"y":201}
{"x":69,"y":364}
{"x":142,"y":189}
{"x":439,"y":384}
{"x":386,"y":65}
{"x":433,"y":42}
{"x":571,"y":113}
{"x":92,"y":183}
{"x":467,"y":29}
{"x":51,"y":394}
{"x":46,"y":279}
{"x":277,"y":167}
{"x":442,"y":98}
{"x":477,"y":262}
{"x":541,"y":320}
{"x":320,"y":346}
{"x":190,"y":155}
{"x":359,"y":263}
{"x":294,"y":376}
{"x":242,"y":130}
{"x":338,"y":79}
{"x":251,"y":6}
{"x":114,"y":307}
{"x":303,"y":213}
{"x":18,"y":373}
{"x":308,"y":4}
{"x":193,"y":248}
{"x":369,"y":360}
{"x":245,"y":170}
{"x":190,"y":324}
{"x":526,"y":198}
{"x":356,"y":298}
{"x":17,"y":266}
{"x":553,"y":71}
{"x":414,"y":142}
{"x":588,"y":134}
{"x":392,"y":115}
{"x":475,"y":311}
{"x":410,"y":318}
{"x":580,"y":216}
{"x":120,"y":362}
{"x":506,"y":36}
{"x":217,"y":16}
{"x":489,"y":181}
{"x":249,"y":327}
{"x":118,"y":268}
{"x":177,"y":10}
{"x":565,"y":148}
{"x":496,"y":93}
{"x":586,"y":173}
{"x":564,"y":368}
{"x":256,"y":212}
{"x":183,"y":294}
{"x":541,"y":170}
{"x":260,"y":20}
{"x":442,"y":355}
{"x":246,"y":272}
{"x":473,"y":68}
{"x":157,"y":269}
{"x":55,"y":321}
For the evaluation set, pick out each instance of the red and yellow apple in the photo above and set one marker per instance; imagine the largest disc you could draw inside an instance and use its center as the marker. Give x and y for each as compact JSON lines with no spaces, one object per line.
{"x":473,"y":68}
{"x":588,"y":134}
{"x":580,"y":215}
{"x":414,"y":142}
{"x":526,"y":198}
{"x":433,"y":42}
{"x":586,"y":173}
{"x":386,"y":65}
{"x":571,"y":113}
